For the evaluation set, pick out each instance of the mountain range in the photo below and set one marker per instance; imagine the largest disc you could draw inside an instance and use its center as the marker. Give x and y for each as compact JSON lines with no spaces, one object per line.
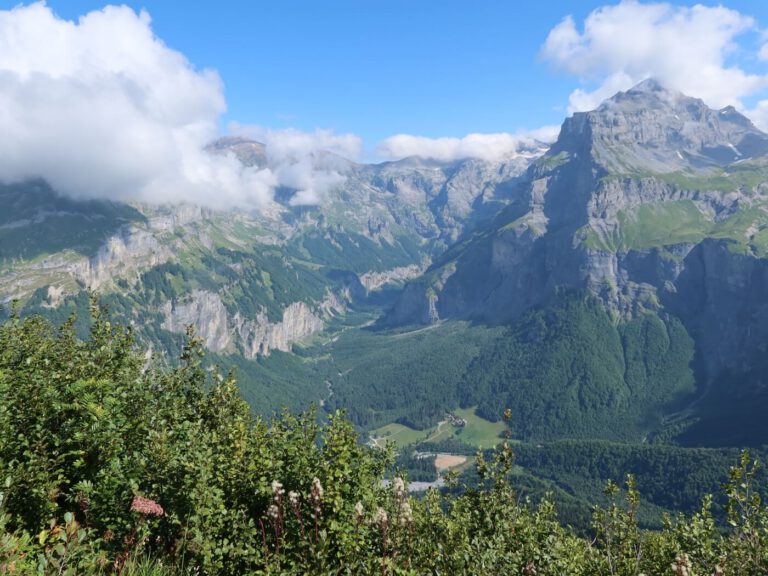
{"x":612,"y":285}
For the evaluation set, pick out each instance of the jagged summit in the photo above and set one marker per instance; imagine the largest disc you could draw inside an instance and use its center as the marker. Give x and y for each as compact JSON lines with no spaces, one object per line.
{"x":650,"y":88}
{"x":249,"y":152}
{"x":653,"y":129}
{"x":649,"y":85}
{"x":650,"y":92}
{"x":615,"y":206}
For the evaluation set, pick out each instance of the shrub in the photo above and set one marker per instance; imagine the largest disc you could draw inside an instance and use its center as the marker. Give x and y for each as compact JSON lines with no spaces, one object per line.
{"x":114,"y":464}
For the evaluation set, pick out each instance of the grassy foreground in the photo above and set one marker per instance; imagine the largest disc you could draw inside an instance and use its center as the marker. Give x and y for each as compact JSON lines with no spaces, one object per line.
{"x":109,"y":466}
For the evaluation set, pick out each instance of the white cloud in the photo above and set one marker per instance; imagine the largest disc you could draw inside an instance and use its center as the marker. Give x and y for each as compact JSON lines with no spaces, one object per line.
{"x":481,"y":146}
{"x":759,"y":115}
{"x":292,"y":144}
{"x":102,"y":108}
{"x":312,"y":163}
{"x":763,"y":53}
{"x":684,"y":48}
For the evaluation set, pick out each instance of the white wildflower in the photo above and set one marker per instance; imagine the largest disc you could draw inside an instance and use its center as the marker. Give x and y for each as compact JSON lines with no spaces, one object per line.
{"x":682,"y":565}
{"x":277,"y":489}
{"x":317,"y":489}
{"x":381,"y":517}
{"x":399,"y":486}
{"x":316,"y":493}
{"x":406,"y":513}
{"x":293,"y":498}
{"x":273,"y":511}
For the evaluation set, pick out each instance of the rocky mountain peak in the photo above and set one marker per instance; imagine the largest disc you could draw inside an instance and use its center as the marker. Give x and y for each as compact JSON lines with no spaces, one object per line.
{"x":249,"y":152}
{"x":650,"y":85}
{"x":653,"y":129}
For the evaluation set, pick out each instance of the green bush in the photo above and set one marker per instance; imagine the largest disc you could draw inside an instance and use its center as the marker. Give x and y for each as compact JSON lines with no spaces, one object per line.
{"x":112,"y":465}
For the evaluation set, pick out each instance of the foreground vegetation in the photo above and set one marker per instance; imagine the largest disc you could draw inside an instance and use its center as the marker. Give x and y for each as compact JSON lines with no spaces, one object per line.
{"x":111,"y":465}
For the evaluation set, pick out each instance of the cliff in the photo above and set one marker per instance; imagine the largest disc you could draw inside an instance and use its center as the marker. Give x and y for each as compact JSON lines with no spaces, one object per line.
{"x":614,"y":206}
{"x":226,"y":333}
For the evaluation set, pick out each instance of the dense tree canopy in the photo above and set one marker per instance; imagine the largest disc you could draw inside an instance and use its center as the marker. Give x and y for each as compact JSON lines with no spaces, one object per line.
{"x":111,"y":464}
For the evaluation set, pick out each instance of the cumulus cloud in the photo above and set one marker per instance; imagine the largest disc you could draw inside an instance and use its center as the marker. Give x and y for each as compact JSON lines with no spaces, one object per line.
{"x":312,"y":163}
{"x":102,"y":108}
{"x":290,"y":143}
{"x":482,"y":146}
{"x":685,"y":48}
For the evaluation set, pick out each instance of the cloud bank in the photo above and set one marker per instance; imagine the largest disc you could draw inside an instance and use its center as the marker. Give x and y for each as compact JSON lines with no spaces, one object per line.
{"x":489,"y":147}
{"x":312,"y":163}
{"x":684,"y":48}
{"x":102,"y":108}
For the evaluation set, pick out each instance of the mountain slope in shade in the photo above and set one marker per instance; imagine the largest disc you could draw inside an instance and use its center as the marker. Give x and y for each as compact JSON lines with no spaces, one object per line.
{"x":249,"y":282}
{"x":648,"y":175}
{"x":655,"y":204}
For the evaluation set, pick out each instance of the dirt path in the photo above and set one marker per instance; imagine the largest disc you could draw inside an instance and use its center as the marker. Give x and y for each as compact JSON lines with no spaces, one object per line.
{"x":437,"y":431}
{"x":417,"y":331}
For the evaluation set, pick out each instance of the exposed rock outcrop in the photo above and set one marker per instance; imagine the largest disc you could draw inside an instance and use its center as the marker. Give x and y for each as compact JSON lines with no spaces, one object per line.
{"x":124,"y":254}
{"x":221,"y":332}
{"x":259,"y":336}
{"x":578,"y":220}
{"x":207,"y":313}
{"x":375,"y":280}
{"x":722,"y":298}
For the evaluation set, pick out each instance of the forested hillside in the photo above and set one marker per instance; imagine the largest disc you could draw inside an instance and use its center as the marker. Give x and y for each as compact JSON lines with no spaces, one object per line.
{"x":111,"y":465}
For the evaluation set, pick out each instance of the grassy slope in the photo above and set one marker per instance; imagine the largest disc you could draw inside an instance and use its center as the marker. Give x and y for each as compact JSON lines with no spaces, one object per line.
{"x":667,"y":223}
{"x":478,"y":432}
{"x":35,"y":222}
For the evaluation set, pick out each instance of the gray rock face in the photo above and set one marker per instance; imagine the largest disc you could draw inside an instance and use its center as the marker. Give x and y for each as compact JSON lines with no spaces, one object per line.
{"x":722,"y":298}
{"x":445,"y":199}
{"x":250,"y":153}
{"x":123,"y":255}
{"x":652,"y":129}
{"x":259,"y":336}
{"x":578,"y":219}
{"x":375,"y":280}
{"x":207,"y":313}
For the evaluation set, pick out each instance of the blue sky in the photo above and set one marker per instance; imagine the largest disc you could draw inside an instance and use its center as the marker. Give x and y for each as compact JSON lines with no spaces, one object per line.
{"x":103,"y":102}
{"x":377,"y":68}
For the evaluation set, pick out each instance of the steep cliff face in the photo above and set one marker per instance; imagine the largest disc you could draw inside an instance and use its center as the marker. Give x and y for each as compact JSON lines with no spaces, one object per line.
{"x":140,"y":246}
{"x":441,"y":199}
{"x":722,"y":298}
{"x":225,"y":333}
{"x":614,"y":206}
{"x":375,"y":280}
{"x":207,"y":313}
{"x":122,"y":255}
{"x":259,"y":336}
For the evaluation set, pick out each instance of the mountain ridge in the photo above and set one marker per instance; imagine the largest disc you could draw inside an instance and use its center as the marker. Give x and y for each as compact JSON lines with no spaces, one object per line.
{"x":675,"y":259}
{"x":581,"y":210}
